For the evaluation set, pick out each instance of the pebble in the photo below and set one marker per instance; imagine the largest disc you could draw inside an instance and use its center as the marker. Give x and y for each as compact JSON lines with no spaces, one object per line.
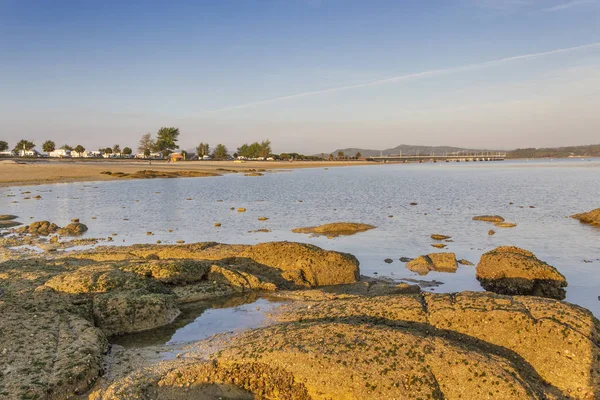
{"x":180,"y":241}
{"x":491,"y":232}
{"x":241,"y":209}
{"x":388,"y":260}
{"x":217,"y":224}
{"x":262,"y":218}
{"x":149,"y":233}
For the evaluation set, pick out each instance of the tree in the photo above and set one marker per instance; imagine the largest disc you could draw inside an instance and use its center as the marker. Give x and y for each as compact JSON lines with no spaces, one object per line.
{"x":146,"y":145}
{"x":3,"y":145}
{"x":166,"y":140}
{"x":79,"y":149}
{"x":106,"y":150}
{"x":49,"y":146}
{"x":24,"y":145}
{"x":184,"y":154}
{"x":203,"y":149}
{"x":265,"y":148}
{"x":358,"y":155}
{"x":66,"y":147}
{"x":127,"y":151}
{"x":220,"y":152}
{"x":116,"y":149}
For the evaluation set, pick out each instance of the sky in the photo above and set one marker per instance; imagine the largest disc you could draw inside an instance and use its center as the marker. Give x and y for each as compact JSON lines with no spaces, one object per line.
{"x":310,"y":75}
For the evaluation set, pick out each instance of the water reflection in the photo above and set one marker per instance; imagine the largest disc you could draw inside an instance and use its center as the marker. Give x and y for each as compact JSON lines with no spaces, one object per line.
{"x":200,"y":320}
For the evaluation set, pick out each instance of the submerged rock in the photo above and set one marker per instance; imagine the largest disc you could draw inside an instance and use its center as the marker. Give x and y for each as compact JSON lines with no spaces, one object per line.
{"x":73,"y":229}
{"x":591,"y":217}
{"x":489,"y":218}
{"x":41,"y":228}
{"x":335,"y":229}
{"x":441,"y":262}
{"x":511,"y":270}
{"x":505,"y":224}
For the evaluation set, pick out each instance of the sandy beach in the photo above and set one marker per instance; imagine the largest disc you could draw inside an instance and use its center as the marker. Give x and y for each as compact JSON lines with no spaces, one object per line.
{"x":33,"y":172}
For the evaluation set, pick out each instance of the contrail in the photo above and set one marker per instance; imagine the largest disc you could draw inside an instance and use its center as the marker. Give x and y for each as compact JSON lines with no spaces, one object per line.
{"x":409,"y":77}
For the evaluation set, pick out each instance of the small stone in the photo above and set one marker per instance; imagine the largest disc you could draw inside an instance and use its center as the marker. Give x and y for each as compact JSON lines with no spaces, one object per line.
{"x":180,"y":241}
{"x":149,"y":233}
{"x":388,"y":261}
{"x":75,"y":220}
{"x":414,"y":204}
{"x":217,"y":224}
{"x":158,"y":242}
{"x":262,"y":218}
{"x":241,"y":209}
{"x":438,"y":245}
{"x":491,"y":232}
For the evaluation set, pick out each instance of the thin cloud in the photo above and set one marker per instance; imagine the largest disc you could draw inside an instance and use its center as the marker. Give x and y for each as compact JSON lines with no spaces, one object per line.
{"x":409,"y":77}
{"x":570,"y":4}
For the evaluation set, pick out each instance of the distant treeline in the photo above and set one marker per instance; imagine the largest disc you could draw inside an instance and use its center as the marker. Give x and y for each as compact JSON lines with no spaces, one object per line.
{"x":557,"y":152}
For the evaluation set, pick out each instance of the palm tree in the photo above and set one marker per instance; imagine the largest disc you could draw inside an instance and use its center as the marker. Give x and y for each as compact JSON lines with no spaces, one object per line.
{"x":49,"y":146}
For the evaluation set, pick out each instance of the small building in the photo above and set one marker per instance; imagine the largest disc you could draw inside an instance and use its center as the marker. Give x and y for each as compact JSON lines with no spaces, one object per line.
{"x":177,"y":157}
{"x":60,"y":153}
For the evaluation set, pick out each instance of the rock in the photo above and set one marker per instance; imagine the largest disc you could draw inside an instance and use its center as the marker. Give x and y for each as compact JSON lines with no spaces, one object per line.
{"x":489,"y":218}
{"x":491,"y":232}
{"x":254,"y":174}
{"x":591,"y":217}
{"x":437,"y":346}
{"x":436,"y":236}
{"x":313,"y":265}
{"x":126,"y":312}
{"x":335,"y":229}
{"x":441,"y":262}
{"x":262,"y":218}
{"x":438,"y":245}
{"x":5,"y":224}
{"x":511,"y":270}
{"x":465,"y":262}
{"x":217,"y":224}
{"x":7,"y":217}
{"x":405,"y":259}
{"x":505,"y":224}
{"x":75,"y":220}
{"x":414,"y":204}
{"x":241,"y":209}
{"x":41,"y":228}
{"x":180,"y":241}
{"x":388,"y":261}
{"x":73,"y":229}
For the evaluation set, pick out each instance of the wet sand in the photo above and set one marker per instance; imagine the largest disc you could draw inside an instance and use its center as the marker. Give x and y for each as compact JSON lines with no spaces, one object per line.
{"x":34,"y":172}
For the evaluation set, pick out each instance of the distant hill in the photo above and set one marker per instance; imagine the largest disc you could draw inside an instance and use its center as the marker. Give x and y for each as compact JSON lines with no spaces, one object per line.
{"x":592,"y":150}
{"x":404,"y":149}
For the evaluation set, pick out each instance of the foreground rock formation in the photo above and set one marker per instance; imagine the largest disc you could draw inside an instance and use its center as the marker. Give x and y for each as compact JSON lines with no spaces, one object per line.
{"x":441,"y":262}
{"x":56,"y":313}
{"x":451,"y":346}
{"x":45,"y":228}
{"x":8,"y":221}
{"x":335,"y":229}
{"x":591,"y":217}
{"x":511,"y":270}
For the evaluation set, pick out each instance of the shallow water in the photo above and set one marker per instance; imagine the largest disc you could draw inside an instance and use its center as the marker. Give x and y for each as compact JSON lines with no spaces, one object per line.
{"x":200,"y":320}
{"x":448,"y":196}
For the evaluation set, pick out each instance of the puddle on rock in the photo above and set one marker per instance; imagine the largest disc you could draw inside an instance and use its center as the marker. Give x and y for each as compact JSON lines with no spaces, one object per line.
{"x":200,"y":320}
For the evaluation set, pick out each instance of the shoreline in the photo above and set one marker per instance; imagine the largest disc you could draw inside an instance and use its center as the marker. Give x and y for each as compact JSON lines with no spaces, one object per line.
{"x":34,"y":173}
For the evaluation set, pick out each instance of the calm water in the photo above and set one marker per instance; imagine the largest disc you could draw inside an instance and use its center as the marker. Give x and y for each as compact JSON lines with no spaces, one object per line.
{"x":448,"y":196}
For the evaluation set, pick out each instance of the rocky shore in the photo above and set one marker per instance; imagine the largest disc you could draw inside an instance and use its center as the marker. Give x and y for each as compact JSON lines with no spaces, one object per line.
{"x":338,"y":336}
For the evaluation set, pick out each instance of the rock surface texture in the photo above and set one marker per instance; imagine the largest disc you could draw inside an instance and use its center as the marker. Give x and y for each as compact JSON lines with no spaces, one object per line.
{"x":427,"y":346}
{"x":511,"y":270}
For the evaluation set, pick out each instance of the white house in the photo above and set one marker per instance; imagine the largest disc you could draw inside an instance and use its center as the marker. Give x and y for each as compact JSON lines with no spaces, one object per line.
{"x":28,"y":153}
{"x":84,"y":154}
{"x":7,"y":153}
{"x":60,"y":153}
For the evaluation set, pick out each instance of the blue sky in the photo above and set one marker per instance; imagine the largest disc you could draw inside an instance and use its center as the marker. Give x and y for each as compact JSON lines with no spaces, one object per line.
{"x":311,"y":75}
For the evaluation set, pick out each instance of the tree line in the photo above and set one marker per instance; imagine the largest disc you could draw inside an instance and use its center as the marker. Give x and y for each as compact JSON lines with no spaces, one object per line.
{"x":165,"y":142}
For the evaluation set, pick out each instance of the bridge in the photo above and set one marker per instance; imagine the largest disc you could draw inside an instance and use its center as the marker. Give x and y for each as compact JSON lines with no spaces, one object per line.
{"x":462,"y":156}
